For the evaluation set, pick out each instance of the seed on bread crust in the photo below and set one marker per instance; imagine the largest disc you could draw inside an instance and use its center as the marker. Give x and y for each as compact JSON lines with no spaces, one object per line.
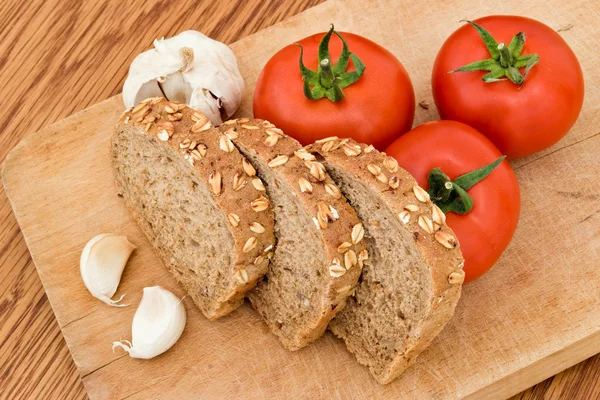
{"x":350,"y":259}
{"x":368,"y":149}
{"x":456,"y":277}
{"x":214,"y":180}
{"x":238,"y":182}
{"x":272,"y":131}
{"x":226,"y":144}
{"x":258,"y":184}
{"x":445,"y":239}
{"x":374,"y":169}
{"x":362,"y":256}
{"x":231,"y":134}
{"x":303,"y":154}
{"x":411,"y":207}
{"x":174,"y":117}
{"x":272,"y":140}
{"x":394,"y":182}
{"x":358,"y":232}
{"x":251,"y":127}
{"x":344,"y":247}
{"x":421,"y":194}
{"x":404,"y":217}
{"x":317,"y":170}
{"x":326,"y":214}
{"x":140,"y":106}
{"x":333,"y":190}
{"x":328,"y":146}
{"x":426,"y":224}
{"x":234,"y":219}
{"x":257,"y":228}
{"x":250,"y":244}
{"x":390,"y":164}
{"x":201,"y":125}
{"x":316,"y":221}
{"x":305,"y":185}
{"x":196,"y":154}
{"x":382,"y":178}
{"x":327,"y":139}
{"x":241,"y":275}
{"x":185,"y":144}
{"x":334,"y":212}
{"x":438,"y":215}
{"x":163,"y":135}
{"x":248,"y":168}
{"x":170,"y":108}
{"x":351,"y":150}
{"x":260,"y":204}
{"x":336,"y":270}
{"x":278,"y":161}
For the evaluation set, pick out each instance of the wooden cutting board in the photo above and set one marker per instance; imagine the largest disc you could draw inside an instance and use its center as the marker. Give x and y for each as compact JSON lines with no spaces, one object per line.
{"x":536,"y":313}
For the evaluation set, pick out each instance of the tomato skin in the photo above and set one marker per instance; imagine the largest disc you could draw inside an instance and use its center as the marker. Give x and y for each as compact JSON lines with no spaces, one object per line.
{"x":456,"y":148}
{"x":520,"y":122}
{"x":376,"y":109}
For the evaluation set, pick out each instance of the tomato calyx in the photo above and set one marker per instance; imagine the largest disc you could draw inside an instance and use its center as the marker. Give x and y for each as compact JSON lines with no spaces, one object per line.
{"x":505,"y":61}
{"x":329,"y":80}
{"x":451,"y":195}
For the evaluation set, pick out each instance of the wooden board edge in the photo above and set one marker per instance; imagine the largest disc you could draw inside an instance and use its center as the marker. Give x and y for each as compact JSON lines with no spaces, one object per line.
{"x":540,"y":370}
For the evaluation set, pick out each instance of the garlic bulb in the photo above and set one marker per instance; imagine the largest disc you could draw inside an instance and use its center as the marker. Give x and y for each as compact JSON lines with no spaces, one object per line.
{"x":157,"y":324}
{"x":101,"y":265}
{"x":190,"y":68}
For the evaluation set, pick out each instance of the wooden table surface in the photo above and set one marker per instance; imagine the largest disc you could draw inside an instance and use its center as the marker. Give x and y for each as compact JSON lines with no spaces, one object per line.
{"x":59,"y":57}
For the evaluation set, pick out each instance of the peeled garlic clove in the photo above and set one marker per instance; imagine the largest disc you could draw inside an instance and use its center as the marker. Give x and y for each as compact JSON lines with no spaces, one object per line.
{"x":101,"y":265}
{"x":157,"y":324}
{"x":188,"y":66}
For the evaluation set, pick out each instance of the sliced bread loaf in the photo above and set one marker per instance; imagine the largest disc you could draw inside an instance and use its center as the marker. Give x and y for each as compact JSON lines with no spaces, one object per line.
{"x":188,"y":188}
{"x":412,"y":280}
{"x":319,"y":250}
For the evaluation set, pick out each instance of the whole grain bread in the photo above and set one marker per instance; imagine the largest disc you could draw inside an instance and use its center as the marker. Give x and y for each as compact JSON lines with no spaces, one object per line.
{"x":187,"y":187}
{"x":319,"y":251}
{"x":412,"y":280}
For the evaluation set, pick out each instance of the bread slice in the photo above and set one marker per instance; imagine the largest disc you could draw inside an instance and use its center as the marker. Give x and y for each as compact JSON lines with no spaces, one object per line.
{"x":412,"y":280}
{"x":188,"y":188}
{"x":319,"y":250}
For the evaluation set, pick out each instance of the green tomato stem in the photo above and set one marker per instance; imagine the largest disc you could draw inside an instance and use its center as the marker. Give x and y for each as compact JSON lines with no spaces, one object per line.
{"x":504,"y":62}
{"x":329,"y":80}
{"x":452,"y":196}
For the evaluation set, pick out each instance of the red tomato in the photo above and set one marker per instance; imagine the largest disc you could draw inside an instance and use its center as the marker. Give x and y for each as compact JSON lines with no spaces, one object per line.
{"x":519,"y":122}
{"x":456,"y":148}
{"x":376,"y":109}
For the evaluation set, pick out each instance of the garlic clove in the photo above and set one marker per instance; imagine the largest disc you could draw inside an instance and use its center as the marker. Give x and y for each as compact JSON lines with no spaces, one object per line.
{"x":192,"y":66}
{"x":176,"y":88}
{"x":157,"y":324}
{"x":204,"y":102}
{"x":148,"y":89}
{"x":101,"y":265}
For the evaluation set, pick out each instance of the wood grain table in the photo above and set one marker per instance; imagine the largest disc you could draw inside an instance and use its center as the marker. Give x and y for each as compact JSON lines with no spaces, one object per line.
{"x":59,"y":57}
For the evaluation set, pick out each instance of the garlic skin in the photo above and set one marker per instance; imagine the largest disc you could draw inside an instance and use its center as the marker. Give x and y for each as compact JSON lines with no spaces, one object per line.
{"x":101,"y":265}
{"x":190,"y":68}
{"x":157,"y":324}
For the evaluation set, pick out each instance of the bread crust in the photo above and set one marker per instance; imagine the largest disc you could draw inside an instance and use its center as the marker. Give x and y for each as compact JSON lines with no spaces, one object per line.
{"x":217,"y":163}
{"x":432,"y":238}
{"x":270,"y":143}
